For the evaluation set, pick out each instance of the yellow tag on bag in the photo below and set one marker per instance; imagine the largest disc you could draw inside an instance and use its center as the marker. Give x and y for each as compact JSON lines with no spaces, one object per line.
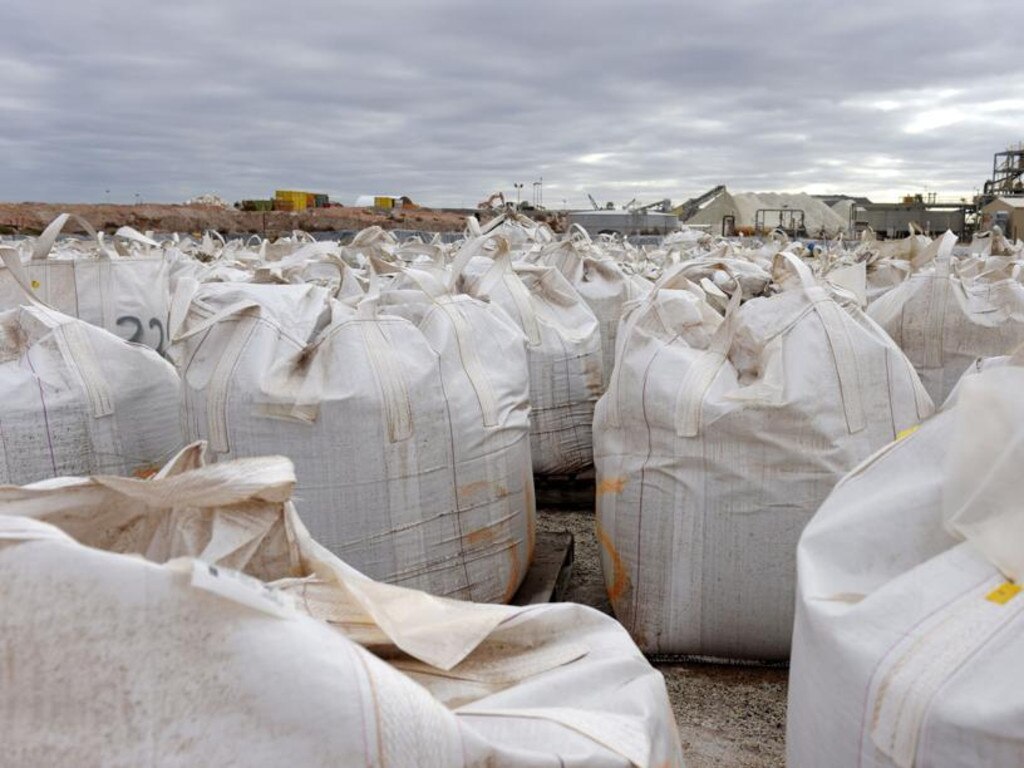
{"x":907,"y":432}
{"x":1004,"y":593}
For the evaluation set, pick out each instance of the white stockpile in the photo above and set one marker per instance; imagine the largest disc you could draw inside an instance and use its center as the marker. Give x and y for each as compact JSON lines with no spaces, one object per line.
{"x":909,"y":621}
{"x":718,"y":438}
{"x":192,"y":618}
{"x":122,"y":285}
{"x":818,"y":218}
{"x":563,"y":343}
{"x":961,"y":309}
{"x":405,"y":412}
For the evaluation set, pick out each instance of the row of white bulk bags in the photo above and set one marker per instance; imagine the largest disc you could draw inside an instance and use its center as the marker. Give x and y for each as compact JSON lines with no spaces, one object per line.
{"x":889,"y":263}
{"x":943,"y":318}
{"x":909,"y":620}
{"x":410,"y":439}
{"x":600,"y":282}
{"x":126,"y":293}
{"x":563,"y":343}
{"x":521,"y":232}
{"x":127,"y":629}
{"x":995,"y":243}
{"x":76,"y":399}
{"x":716,"y":442}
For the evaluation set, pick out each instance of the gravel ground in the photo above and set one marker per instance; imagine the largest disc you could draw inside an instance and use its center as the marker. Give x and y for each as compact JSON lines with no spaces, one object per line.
{"x":727,"y":715}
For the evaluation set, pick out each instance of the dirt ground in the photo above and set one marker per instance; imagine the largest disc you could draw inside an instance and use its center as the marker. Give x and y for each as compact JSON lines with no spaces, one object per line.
{"x":727,"y":715}
{"x":31,"y":218}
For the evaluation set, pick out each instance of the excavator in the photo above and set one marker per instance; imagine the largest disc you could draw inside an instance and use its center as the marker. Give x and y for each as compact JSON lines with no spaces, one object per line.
{"x":489,"y":203}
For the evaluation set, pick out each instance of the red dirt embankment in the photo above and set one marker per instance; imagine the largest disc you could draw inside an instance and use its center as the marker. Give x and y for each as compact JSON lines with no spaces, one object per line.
{"x":31,"y":218}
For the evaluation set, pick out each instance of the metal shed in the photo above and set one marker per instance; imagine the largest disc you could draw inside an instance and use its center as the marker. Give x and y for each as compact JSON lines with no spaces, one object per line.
{"x":625,"y":222}
{"x":1008,"y":214}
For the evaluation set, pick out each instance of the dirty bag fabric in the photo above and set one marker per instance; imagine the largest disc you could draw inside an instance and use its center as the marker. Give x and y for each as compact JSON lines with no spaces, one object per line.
{"x":147,"y":621}
{"x":716,"y":442}
{"x":909,"y":615}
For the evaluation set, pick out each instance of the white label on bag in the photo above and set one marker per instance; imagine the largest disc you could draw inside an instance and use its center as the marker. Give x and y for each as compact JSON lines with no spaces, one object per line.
{"x":242,"y":589}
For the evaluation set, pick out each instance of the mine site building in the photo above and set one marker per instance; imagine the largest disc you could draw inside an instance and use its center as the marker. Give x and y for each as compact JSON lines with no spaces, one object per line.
{"x":625,"y":222}
{"x":896,"y":220}
{"x":1007,"y":213}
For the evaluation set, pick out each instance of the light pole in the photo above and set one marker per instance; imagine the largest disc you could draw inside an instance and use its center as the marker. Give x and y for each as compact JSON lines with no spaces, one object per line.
{"x":519,"y":188}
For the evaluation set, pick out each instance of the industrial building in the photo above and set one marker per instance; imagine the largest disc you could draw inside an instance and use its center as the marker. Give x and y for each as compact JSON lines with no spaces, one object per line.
{"x":625,"y":221}
{"x":1007,"y":176}
{"x":894,"y":220}
{"x":1007,"y":213}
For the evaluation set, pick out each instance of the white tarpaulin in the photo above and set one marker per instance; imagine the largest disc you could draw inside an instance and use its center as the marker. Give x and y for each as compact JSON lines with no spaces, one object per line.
{"x":129,"y":637}
{"x":907,"y":643}
{"x":716,"y":442}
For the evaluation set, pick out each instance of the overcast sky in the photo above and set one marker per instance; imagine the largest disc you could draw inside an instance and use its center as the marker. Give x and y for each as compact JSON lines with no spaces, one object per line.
{"x":448,"y":101}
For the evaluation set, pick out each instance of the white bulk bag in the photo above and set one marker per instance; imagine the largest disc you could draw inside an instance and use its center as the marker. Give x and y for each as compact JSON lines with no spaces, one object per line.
{"x":716,"y":442}
{"x":521,"y":232}
{"x":889,"y":263}
{"x":944,"y":319}
{"x":908,"y":639}
{"x":563,"y":343}
{"x":127,"y":295}
{"x":601,"y":283}
{"x":75,"y":399}
{"x":111,"y":659}
{"x":413,"y":459}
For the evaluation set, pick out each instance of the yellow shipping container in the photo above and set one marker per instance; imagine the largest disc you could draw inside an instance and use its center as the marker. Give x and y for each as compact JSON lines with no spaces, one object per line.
{"x":297,"y":200}
{"x":383,"y":202}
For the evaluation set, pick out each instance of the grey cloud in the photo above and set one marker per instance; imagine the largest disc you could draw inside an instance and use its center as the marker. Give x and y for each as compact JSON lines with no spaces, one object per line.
{"x":448,"y":101}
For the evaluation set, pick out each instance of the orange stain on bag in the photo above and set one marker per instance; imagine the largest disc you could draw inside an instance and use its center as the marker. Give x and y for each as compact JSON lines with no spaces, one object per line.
{"x":611,"y":485}
{"x":514,"y":576}
{"x":620,"y":577}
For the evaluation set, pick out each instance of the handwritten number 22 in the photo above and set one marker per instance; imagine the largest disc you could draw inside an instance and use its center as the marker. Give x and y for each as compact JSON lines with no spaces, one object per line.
{"x":139,"y":334}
